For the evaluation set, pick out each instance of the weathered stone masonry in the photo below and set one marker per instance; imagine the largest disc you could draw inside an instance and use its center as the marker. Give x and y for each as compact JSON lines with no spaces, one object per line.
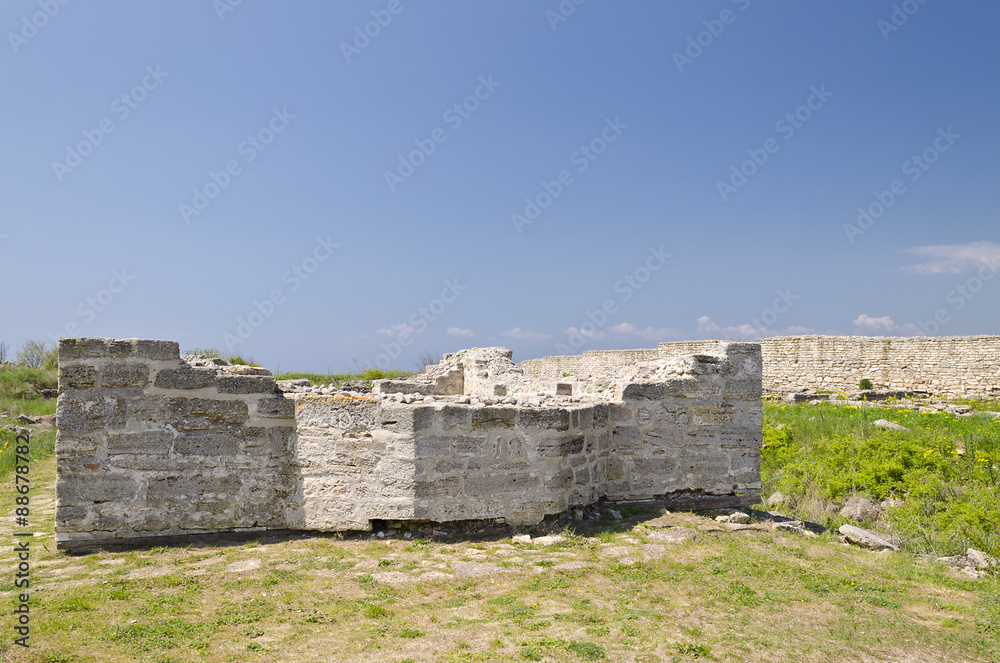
{"x":953,"y":366}
{"x":152,"y":444}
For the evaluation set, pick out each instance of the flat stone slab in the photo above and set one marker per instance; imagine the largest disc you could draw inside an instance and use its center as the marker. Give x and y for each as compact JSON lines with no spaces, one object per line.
{"x":477,"y":568}
{"x":866,"y":538}
{"x":401,"y":578}
{"x":243,"y":566}
{"x":651,"y":551}
{"x":673,"y":535}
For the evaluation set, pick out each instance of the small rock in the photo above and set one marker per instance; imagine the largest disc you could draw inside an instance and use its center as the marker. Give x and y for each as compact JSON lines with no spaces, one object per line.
{"x":890,"y":503}
{"x":982,"y":560}
{"x":891,"y":425}
{"x":866,"y":538}
{"x":549,"y":540}
{"x":25,"y":419}
{"x":438,"y":532}
{"x":794,"y":527}
{"x":577,"y":514}
{"x":521,"y":538}
{"x":739,"y":517}
{"x":859,"y":508}
{"x":775,"y":500}
{"x":617,"y":515}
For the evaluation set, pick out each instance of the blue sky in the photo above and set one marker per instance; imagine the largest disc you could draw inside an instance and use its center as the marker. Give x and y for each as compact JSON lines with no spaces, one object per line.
{"x":327,"y":185}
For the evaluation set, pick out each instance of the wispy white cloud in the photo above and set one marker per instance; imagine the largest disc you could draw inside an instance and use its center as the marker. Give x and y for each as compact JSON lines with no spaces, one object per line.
{"x":458,"y":331}
{"x":868,"y":323}
{"x":799,"y":329}
{"x":626,"y":329}
{"x":595,"y":335}
{"x":706,"y":326}
{"x":953,"y":258}
{"x":401,"y":329}
{"x":525,"y":335}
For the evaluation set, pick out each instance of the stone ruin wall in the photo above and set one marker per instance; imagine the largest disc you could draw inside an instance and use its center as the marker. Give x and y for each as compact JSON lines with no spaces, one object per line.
{"x":153,"y":444}
{"x":148,"y":444}
{"x":952,"y":366}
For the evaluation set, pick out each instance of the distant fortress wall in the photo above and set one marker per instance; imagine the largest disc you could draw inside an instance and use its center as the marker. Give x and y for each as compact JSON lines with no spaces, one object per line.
{"x":954,"y":366}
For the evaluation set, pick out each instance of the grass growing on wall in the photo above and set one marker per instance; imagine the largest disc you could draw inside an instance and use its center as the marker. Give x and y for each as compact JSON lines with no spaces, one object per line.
{"x":339,"y":378}
{"x":945,"y":469}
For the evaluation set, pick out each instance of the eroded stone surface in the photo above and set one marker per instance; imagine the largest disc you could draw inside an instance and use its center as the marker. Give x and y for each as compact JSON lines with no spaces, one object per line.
{"x":153,"y":444}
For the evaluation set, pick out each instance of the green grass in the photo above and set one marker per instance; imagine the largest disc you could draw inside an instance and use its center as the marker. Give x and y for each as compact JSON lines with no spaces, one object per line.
{"x":337,"y":379}
{"x":19,"y":391}
{"x":946,"y":469}
{"x":19,"y":387}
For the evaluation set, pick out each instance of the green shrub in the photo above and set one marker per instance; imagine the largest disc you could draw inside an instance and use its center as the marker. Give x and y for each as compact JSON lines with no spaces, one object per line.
{"x":238,"y":360}
{"x":865,"y":384}
{"x":210,"y":353}
{"x":944,"y":468}
{"x":38,"y":354}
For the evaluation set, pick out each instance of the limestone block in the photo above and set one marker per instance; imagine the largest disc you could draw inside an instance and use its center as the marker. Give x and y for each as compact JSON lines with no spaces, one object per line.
{"x":212,"y":442}
{"x":437,"y":488}
{"x":81,"y":415}
{"x":157,"y":350}
{"x":246,"y":384}
{"x":78,"y":488}
{"x":82,"y":348}
{"x":543,"y":418}
{"x":200,"y":413}
{"x":558,"y":447}
{"x":491,"y":418}
{"x":186,"y":378}
{"x":454,"y":417}
{"x":499,"y":484}
{"x":144,"y":442}
{"x":184,"y":489}
{"x":77,"y":377}
{"x":124,"y":375}
{"x":275,"y":407}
